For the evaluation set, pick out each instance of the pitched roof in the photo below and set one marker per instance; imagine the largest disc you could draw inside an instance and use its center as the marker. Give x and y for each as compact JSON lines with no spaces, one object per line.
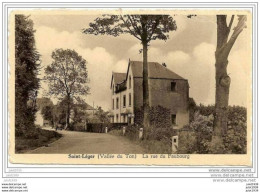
{"x":89,"y":107}
{"x":155,"y":70}
{"x":119,"y":77}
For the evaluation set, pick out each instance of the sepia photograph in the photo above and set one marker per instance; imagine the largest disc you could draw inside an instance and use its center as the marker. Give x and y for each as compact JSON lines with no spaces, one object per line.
{"x":132,"y":82}
{"x":154,"y":96}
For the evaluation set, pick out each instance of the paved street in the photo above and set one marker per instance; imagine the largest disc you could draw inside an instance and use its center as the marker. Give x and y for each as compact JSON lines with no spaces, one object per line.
{"x":83,"y":142}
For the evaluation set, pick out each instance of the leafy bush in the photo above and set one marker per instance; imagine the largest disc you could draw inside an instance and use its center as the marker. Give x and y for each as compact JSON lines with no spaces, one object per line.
{"x":79,"y":126}
{"x":95,"y":127}
{"x":200,"y":133}
{"x":132,"y":132}
{"x":160,"y":134}
{"x":201,"y":129}
{"x":159,"y":116}
{"x":31,"y":134}
{"x":187,"y":142}
{"x":35,"y":138}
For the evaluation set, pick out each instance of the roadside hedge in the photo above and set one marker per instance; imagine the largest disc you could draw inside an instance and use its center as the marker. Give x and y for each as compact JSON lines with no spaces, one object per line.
{"x":198,"y":135}
{"x":159,"y":116}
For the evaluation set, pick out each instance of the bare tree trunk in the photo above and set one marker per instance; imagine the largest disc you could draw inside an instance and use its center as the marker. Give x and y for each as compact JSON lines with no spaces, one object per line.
{"x":221,"y":98}
{"x":68,"y":113}
{"x":223,"y":81}
{"x":146,"y":119}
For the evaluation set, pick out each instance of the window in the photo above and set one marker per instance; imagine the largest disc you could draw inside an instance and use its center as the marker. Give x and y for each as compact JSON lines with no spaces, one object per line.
{"x":130,"y":82}
{"x":173,"y":119}
{"x":117,"y":101}
{"x":173,"y":86}
{"x":124,"y":101}
{"x":113,"y":103}
{"x":174,"y":140}
{"x":130,"y":99}
{"x":117,"y":118}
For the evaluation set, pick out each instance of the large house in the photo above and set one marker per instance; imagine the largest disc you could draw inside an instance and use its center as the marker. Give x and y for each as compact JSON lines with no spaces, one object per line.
{"x":166,"y":89}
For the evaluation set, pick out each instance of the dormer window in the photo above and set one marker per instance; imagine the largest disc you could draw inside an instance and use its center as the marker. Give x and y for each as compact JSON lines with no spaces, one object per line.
{"x":130,"y":81}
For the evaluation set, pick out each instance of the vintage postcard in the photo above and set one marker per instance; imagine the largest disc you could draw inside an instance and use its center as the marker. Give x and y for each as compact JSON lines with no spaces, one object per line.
{"x":130,"y":87}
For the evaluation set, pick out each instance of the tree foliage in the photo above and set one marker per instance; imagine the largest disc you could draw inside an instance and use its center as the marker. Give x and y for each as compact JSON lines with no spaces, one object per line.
{"x":143,"y":27}
{"x":160,"y":117}
{"x":100,"y":116}
{"x":67,"y":77}
{"x":67,"y":74}
{"x":27,"y":61}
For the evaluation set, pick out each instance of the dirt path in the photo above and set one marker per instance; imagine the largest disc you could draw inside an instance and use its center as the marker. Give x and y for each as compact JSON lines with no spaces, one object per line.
{"x":82,"y":142}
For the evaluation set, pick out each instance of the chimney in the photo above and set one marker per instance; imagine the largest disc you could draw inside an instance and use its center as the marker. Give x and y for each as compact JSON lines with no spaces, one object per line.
{"x":164,"y":64}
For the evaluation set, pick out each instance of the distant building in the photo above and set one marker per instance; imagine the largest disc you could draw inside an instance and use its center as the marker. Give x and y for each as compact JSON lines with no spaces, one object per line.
{"x":39,"y":120}
{"x":166,"y":89}
{"x":90,"y":110}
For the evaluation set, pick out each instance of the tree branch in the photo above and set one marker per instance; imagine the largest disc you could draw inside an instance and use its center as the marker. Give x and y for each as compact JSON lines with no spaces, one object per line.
{"x":237,"y":30}
{"x":134,"y":26}
{"x":153,"y":29}
{"x":231,"y":22}
{"x":131,"y":32}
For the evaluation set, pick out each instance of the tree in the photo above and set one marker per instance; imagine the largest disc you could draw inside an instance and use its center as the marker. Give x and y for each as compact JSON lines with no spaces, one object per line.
{"x":145,"y":28}
{"x":80,"y":112}
{"x":224,"y":46}
{"x":102,"y":115}
{"x":47,"y":113}
{"x":60,"y":112}
{"x":67,"y":77}
{"x":27,"y":61}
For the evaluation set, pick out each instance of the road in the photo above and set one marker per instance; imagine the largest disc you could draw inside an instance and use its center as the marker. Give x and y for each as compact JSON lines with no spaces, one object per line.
{"x":92,"y":143}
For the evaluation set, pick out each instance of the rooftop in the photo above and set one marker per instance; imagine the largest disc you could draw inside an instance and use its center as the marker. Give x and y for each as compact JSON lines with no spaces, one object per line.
{"x":155,"y":70}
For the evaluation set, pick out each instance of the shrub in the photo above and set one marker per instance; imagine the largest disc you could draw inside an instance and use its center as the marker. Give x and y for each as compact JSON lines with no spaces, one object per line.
{"x":160,"y":134}
{"x":31,"y":134}
{"x":201,"y":129}
{"x":132,"y":132}
{"x":187,"y":142}
{"x":200,"y":133}
{"x":78,"y":126}
{"x":35,"y":138}
{"x":159,"y":116}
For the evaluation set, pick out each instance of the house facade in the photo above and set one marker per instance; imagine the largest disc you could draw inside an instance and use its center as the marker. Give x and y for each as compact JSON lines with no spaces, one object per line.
{"x":166,"y":89}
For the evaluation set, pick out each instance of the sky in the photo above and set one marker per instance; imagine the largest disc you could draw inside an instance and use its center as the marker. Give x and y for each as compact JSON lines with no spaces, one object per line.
{"x":189,"y":52}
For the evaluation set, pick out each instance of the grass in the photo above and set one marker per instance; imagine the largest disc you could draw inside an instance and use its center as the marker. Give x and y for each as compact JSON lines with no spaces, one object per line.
{"x":40,"y":138}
